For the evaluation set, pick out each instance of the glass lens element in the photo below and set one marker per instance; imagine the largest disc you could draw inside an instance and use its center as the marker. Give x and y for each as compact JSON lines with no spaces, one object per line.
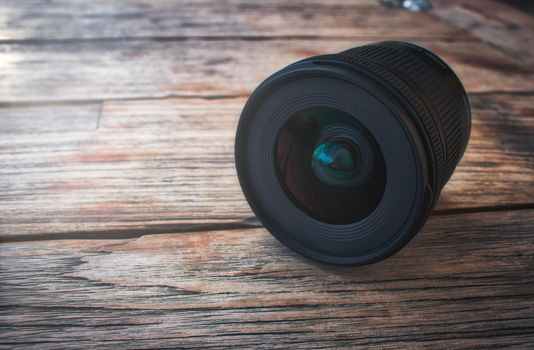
{"x":330,"y":165}
{"x":333,"y":162}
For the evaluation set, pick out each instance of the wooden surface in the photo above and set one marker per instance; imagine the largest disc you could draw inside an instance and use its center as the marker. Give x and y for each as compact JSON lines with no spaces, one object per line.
{"x":122,"y":223}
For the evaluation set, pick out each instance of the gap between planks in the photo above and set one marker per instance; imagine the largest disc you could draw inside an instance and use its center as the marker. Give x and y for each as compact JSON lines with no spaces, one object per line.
{"x":370,"y":38}
{"x":74,"y":102}
{"x":249,"y":223}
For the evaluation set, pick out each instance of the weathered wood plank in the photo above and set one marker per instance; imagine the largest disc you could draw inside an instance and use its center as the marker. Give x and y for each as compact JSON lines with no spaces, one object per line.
{"x":75,"y":164}
{"x":113,"y":70}
{"x":167,"y":166}
{"x":67,"y":20}
{"x":495,"y":22}
{"x":42,"y":118}
{"x":465,"y":281}
{"x":500,"y":155}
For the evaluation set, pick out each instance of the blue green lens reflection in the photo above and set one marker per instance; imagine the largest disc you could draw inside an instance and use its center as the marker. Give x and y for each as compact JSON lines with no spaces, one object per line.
{"x":332,"y":162}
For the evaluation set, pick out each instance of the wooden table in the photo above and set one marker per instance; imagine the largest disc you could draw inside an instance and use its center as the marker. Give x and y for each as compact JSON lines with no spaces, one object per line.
{"x":122,"y":222}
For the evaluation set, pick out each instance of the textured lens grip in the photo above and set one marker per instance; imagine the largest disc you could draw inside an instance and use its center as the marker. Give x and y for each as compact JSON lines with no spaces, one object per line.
{"x":422,"y":80}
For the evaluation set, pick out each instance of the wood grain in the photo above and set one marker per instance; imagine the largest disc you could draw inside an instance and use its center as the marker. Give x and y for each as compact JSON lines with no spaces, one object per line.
{"x":48,"y":117}
{"x":141,"y":69}
{"x":122,"y":223}
{"x":167,"y":165}
{"x":461,"y":283}
{"x":36,"y":21}
{"x":500,"y":25}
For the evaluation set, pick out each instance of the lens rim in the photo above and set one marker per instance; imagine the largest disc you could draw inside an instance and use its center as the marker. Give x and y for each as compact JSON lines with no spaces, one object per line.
{"x":297,"y":231}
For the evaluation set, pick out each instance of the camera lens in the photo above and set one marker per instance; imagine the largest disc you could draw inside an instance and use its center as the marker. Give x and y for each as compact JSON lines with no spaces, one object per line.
{"x":342,"y":157}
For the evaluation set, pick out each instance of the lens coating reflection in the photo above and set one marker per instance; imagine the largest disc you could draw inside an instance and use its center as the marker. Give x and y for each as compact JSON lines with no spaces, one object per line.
{"x":333,"y":161}
{"x":330,"y":165}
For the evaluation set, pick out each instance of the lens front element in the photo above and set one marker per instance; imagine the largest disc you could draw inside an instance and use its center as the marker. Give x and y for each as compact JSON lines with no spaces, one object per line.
{"x":330,"y":165}
{"x":333,"y":163}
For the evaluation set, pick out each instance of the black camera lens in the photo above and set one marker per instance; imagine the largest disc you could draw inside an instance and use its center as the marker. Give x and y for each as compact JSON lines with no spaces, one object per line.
{"x":342,"y":157}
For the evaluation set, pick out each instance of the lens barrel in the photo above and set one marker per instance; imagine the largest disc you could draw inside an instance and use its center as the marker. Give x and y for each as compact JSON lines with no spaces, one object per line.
{"x":342,"y":157}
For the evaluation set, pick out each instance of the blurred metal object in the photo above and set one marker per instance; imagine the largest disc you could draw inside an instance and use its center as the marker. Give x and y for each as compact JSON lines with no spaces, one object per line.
{"x":411,"y":5}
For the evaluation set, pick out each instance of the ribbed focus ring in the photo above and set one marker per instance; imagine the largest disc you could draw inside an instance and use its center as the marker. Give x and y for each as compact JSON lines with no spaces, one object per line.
{"x":433,"y":85}
{"x":421,"y":85}
{"x":407,"y":93}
